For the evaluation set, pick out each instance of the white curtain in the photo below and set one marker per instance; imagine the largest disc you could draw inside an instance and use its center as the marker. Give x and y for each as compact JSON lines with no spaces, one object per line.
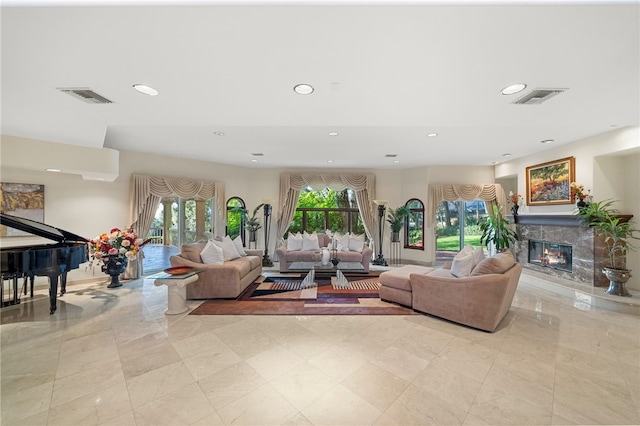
{"x":145,"y":194}
{"x":490,"y":193}
{"x":291,"y":184}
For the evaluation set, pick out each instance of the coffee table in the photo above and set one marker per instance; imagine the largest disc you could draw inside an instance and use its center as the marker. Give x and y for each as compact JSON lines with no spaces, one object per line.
{"x":176,"y":289}
{"x":330,"y":269}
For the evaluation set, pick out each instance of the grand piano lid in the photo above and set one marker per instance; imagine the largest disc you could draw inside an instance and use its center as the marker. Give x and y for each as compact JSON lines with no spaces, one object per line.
{"x":40,"y":229}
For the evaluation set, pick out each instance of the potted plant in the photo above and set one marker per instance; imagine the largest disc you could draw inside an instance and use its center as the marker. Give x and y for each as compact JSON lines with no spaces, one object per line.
{"x":496,"y":230}
{"x":395,"y":217}
{"x":251,"y":224}
{"x":602,"y":217}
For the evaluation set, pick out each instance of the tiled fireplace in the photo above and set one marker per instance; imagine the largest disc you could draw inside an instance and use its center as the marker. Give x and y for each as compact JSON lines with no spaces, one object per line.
{"x":560,"y":246}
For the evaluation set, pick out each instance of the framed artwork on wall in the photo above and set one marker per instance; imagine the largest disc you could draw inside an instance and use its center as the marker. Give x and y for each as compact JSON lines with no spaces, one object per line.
{"x":549,"y":183}
{"x":22,"y":200}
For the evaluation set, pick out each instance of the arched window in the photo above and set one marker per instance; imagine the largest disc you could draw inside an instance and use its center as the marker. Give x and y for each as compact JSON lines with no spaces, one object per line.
{"x":235,"y":218}
{"x":414,"y":225}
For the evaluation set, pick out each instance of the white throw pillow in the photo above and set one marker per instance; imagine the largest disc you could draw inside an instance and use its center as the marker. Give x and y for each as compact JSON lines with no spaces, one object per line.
{"x":468,"y":249}
{"x":462,"y":266}
{"x":478,"y":256}
{"x":342,"y":242}
{"x":228,"y":247}
{"x":294,"y":242}
{"x":310,"y":241}
{"x":212,"y":254}
{"x":238,"y":243}
{"x":356,"y":243}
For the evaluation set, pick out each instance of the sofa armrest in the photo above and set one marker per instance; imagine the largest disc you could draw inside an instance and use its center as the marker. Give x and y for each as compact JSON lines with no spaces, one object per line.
{"x":254,"y":252}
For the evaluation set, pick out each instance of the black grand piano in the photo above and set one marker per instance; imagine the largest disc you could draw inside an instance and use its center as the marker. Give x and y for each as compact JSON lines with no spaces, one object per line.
{"x":43,"y":260}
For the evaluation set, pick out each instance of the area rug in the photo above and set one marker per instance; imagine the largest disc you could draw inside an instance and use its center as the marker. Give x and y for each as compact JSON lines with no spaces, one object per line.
{"x":285,"y":295}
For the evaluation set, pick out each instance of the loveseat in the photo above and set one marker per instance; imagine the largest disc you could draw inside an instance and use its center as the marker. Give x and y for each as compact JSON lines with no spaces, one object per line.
{"x":480,"y":300}
{"x":227,"y":280}
{"x":287,"y":254}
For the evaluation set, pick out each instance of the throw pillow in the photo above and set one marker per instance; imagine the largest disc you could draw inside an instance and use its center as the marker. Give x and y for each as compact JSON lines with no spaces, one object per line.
{"x":462,"y":266}
{"x":238,"y":243}
{"x":310,"y":241}
{"x":343,"y":243}
{"x":478,"y":255}
{"x":212,"y":254}
{"x":228,"y":247}
{"x":356,"y":243}
{"x":497,"y":264}
{"x":468,"y":249}
{"x":294,"y":242}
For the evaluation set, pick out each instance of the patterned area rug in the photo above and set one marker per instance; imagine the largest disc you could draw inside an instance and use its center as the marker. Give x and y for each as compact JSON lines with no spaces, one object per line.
{"x":285,"y":295}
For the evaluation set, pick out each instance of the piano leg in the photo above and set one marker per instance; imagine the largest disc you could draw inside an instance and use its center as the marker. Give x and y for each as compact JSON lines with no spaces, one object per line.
{"x":53,"y":292}
{"x":63,"y":283}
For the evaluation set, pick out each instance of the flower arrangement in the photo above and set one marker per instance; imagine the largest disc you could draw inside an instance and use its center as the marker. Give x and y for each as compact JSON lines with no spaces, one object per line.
{"x":577,"y":192}
{"x":515,"y":198}
{"x":116,"y":243}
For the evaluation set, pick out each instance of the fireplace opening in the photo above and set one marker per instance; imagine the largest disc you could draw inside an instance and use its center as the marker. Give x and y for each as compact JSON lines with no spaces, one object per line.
{"x":551,"y":255}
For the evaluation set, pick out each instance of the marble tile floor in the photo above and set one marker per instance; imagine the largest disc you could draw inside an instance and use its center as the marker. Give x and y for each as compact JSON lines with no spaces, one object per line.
{"x":112,"y":357}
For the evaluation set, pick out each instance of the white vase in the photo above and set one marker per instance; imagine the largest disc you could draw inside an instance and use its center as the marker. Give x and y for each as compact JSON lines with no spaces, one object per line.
{"x":325,"y":256}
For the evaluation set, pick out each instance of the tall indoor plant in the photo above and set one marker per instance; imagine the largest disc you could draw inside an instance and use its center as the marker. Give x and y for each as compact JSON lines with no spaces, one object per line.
{"x":251,"y":224}
{"x":395,"y":218}
{"x":496,"y":230}
{"x":603,"y":218}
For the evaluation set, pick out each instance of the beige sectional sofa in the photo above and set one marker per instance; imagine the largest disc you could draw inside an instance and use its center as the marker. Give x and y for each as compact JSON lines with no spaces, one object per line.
{"x":228,"y":280}
{"x":287,"y":257}
{"x":480,"y":300}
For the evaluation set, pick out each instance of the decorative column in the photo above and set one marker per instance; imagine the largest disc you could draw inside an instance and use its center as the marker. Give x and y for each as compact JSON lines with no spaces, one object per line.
{"x":379,"y":260}
{"x":266,"y":261}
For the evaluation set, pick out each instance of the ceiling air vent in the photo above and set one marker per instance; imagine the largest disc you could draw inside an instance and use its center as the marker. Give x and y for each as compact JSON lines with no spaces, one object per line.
{"x":537,"y":96}
{"x":85,"y":94}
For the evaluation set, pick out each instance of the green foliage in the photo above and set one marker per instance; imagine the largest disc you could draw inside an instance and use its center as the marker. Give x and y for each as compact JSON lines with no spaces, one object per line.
{"x":252,"y":223}
{"x":395,"y":217}
{"x":601,"y":216}
{"x":496,"y":230}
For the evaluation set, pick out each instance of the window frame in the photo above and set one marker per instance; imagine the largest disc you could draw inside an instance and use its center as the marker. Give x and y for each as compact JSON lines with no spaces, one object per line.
{"x":413,"y":210}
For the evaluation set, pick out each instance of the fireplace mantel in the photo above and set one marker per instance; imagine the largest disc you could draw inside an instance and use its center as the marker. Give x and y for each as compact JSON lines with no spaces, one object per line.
{"x":555,"y":219}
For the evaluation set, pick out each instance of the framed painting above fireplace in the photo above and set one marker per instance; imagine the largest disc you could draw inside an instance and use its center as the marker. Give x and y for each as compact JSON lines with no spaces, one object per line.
{"x":549,"y":183}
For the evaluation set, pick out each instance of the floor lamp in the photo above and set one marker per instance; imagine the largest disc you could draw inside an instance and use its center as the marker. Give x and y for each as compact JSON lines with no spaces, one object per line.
{"x":379,"y":260}
{"x":266,"y":261}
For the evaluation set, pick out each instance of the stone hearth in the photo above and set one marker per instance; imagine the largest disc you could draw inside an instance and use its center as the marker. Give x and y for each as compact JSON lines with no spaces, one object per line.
{"x":588,"y":252}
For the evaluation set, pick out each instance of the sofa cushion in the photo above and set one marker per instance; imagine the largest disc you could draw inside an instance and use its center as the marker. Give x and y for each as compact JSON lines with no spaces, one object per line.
{"x":212,"y":254}
{"x":478,"y":255}
{"x":462,"y":266}
{"x":356,"y":243}
{"x":497,"y":264}
{"x":238,"y":243}
{"x":192,"y":251}
{"x":228,"y":247}
{"x":341,"y":242}
{"x":241,"y":264}
{"x":310,"y":241}
{"x":294,"y":242}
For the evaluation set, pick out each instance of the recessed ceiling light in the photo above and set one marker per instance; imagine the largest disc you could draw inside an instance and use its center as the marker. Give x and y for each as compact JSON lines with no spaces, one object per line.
{"x":396,"y":161}
{"x":506,"y":155}
{"x":147,"y":90}
{"x":218,"y":133}
{"x":54,"y":170}
{"x":432,"y":135}
{"x":329,"y":161}
{"x":253,"y":160}
{"x":303,"y":89}
{"x":333,"y":133}
{"x":495,"y":162}
{"x":513,"y":89}
{"x":547,"y":141}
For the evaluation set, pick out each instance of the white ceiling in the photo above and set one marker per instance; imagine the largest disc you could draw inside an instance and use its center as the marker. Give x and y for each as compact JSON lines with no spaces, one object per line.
{"x":384,"y":76}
